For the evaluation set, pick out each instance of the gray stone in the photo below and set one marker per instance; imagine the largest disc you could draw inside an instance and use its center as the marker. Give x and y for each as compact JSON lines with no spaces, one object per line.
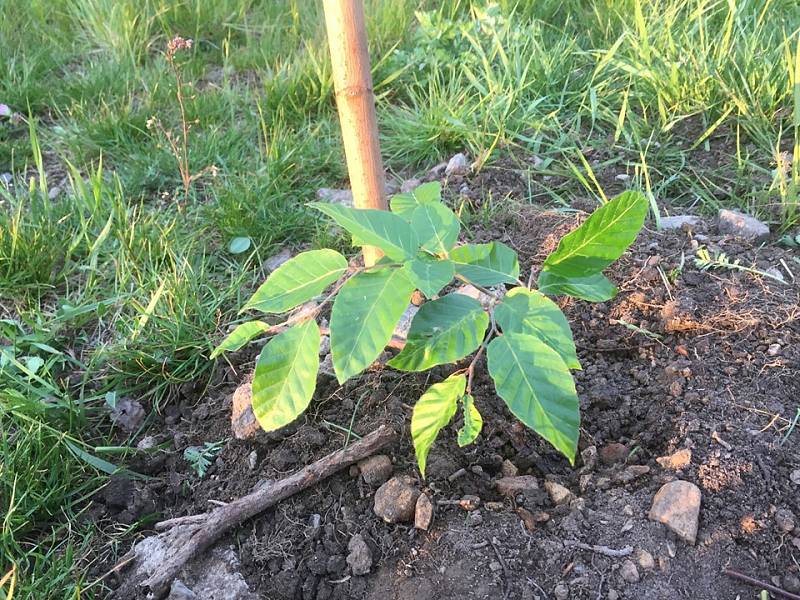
{"x":334,"y":196}
{"x":409,"y":185}
{"x":677,"y":505}
{"x":733,"y":222}
{"x":179,"y":591}
{"x":396,"y":500}
{"x":784,"y":519}
{"x":326,"y":366}
{"x":376,"y":470}
{"x":589,"y":457}
{"x":508,"y":469}
{"x":561,"y":592}
{"x":629,"y":572}
{"x":276,"y":260}
{"x":511,"y":486}
{"x":324,"y":345}
{"x":6,"y":179}
{"x":794,"y":477}
{"x":360,"y":556}
{"x":457,"y":165}
{"x":791,"y":584}
{"x":128,"y":414}
{"x":632,"y":473}
{"x":678,"y":221}
{"x":404,"y":324}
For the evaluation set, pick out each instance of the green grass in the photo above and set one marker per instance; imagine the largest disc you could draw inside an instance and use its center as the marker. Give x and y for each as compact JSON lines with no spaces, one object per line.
{"x":698,"y":101}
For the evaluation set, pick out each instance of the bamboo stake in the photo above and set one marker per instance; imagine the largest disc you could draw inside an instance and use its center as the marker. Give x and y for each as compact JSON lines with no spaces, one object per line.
{"x":347,"y":38}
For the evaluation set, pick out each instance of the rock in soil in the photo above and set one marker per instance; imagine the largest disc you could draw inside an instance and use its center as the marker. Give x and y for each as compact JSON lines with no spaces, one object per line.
{"x":589,"y":458}
{"x":784,"y":519}
{"x":275,"y":261}
{"x":179,"y":591}
{"x":511,"y":486}
{"x":334,"y":196}
{"x":561,"y":592}
{"x":558,"y":493}
{"x":360,"y":556}
{"x":128,"y":414}
{"x":410,"y":185}
{"x":396,"y":500}
{"x":613,"y":453}
{"x":376,"y":470}
{"x":733,"y":222}
{"x":791,"y":584}
{"x":645,"y":560}
{"x":677,"y":505}
{"x":508,"y":469}
{"x":457,"y":165}
{"x":423,"y":513}
{"x":632,"y":473}
{"x":629,"y":572}
{"x":676,"y":461}
{"x":243,"y":420}
{"x":678,"y":221}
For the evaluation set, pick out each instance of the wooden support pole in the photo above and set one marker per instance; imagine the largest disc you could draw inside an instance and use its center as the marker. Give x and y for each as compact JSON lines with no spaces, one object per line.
{"x":347,"y":38}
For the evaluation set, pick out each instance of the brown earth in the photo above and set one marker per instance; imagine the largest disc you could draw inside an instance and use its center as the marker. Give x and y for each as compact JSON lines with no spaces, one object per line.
{"x":680,"y":359}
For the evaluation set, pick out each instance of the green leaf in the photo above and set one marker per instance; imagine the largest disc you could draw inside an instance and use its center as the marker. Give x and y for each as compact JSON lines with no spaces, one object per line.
{"x":525,"y":311}
{"x":486,"y":264}
{"x":239,"y":245}
{"x":298,"y":280}
{"x":602,"y":238}
{"x":240,"y":336}
{"x":537,"y":387}
{"x":443,"y":331}
{"x":473,"y":422}
{"x":437,"y":227}
{"x":433,"y":411}
{"x":286,"y":376}
{"x":594,"y":288}
{"x":404,"y":204}
{"x":429,"y":274}
{"x":378,"y":228}
{"x":364,"y":316}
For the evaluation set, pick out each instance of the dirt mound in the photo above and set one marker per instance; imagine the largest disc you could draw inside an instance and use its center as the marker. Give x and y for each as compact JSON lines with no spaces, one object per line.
{"x":702,"y":364}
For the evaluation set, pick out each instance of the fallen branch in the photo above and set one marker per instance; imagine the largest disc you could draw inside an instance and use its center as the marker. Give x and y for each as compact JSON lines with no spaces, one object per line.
{"x":762,"y":584}
{"x":604,"y":550}
{"x":187,"y":537}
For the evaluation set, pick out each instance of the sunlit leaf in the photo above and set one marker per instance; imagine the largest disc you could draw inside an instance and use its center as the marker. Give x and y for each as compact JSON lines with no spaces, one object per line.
{"x":298,"y":280}
{"x":240,"y":336}
{"x":430,"y":274}
{"x":364,"y":316}
{"x":525,"y":311}
{"x":486,"y":264}
{"x":593,"y":288}
{"x":433,"y":411}
{"x":538,"y":388}
{"x":473,"y":422}
{"x":443,"y":331}
{"x":601,"y":239}
{"x":378,"y":228}
{"x":286,"y":376}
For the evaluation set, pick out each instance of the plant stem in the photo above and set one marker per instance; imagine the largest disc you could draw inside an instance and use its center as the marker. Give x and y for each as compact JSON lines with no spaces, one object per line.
{"x":479,"y":353}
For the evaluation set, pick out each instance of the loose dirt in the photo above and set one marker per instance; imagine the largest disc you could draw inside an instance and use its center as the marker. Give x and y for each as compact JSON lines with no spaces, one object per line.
{"x":681,"y":360}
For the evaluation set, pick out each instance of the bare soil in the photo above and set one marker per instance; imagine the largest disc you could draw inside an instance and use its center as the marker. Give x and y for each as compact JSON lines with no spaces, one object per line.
{"x":708,"y":361}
